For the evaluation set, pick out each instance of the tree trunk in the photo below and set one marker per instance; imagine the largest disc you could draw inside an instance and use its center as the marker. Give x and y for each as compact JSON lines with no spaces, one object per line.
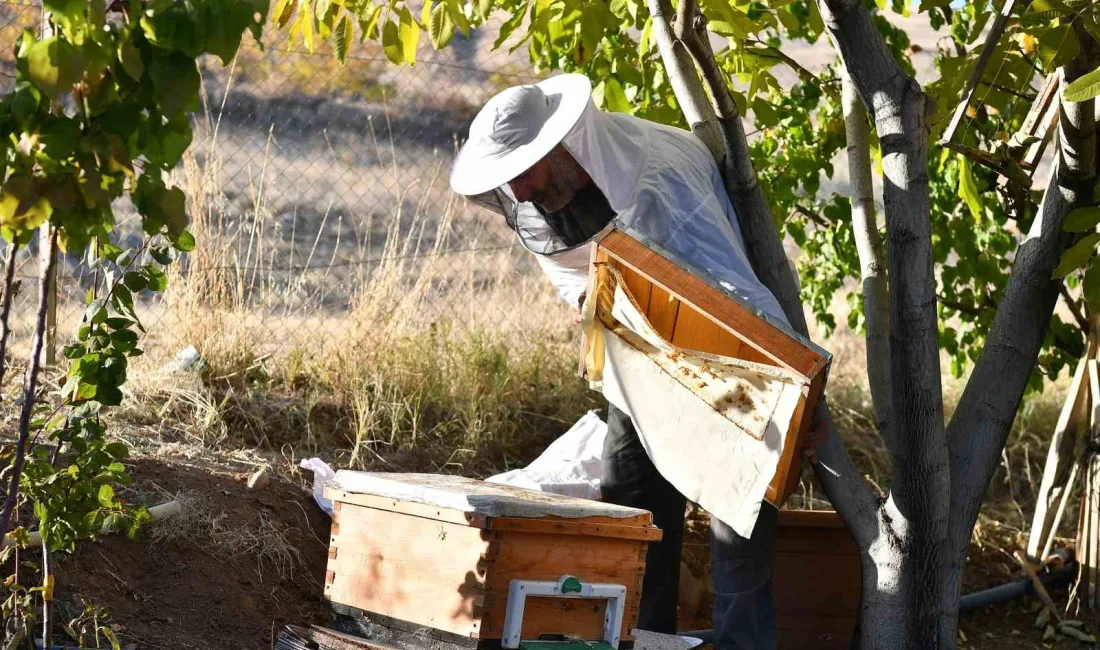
{"x":872,"y":258}
{"x":912,"y":542}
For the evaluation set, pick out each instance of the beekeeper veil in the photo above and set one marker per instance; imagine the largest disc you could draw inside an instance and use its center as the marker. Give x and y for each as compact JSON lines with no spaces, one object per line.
{"x":514,"y":131}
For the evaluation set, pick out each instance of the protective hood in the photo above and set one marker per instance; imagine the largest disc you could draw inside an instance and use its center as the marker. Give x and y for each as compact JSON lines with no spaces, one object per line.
{"x":666,"y":191}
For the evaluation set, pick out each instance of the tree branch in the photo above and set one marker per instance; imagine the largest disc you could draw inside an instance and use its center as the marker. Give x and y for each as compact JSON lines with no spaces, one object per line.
{"x":994,"y":35}
{"x":31,"y":386}
{"x":846,"y":488}
{"x":758,"y":228}
{"x":872,"y":260}
{"x":961,"y":307}
{"x":899,"y":109}
{"x":5,"y":308}
{"x":799,"y":69}
{"x":981,"y":424}
{"x":1074,"y":309}
{"x":811,"y":215}
{"x":685,"y":82}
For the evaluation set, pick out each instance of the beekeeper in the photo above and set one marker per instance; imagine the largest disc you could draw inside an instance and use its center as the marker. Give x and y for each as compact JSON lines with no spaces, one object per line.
{"x":561,"y":172}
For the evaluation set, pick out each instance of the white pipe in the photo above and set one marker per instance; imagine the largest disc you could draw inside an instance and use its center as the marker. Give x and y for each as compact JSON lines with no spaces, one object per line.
{"x":156,"y":512}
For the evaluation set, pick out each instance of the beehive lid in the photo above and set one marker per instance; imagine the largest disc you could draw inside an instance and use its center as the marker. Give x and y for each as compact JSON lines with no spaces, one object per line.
{"x":475,"y":497}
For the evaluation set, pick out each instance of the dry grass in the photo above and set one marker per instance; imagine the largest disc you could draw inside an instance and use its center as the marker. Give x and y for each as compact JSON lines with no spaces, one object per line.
{"x":437,"y":358}
{"x":201,"y":524}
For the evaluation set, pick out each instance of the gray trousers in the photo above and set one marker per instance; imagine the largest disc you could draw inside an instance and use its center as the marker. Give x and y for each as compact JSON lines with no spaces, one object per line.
{"x":742,"y":569}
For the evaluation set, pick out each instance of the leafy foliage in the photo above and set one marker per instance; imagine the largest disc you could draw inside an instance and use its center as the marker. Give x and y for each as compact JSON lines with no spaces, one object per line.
{"x":978,"y":220}
{"x":99,"y":112}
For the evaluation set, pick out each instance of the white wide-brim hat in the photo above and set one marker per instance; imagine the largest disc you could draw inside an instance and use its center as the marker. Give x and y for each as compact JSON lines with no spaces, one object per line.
{"x":515,"y":129}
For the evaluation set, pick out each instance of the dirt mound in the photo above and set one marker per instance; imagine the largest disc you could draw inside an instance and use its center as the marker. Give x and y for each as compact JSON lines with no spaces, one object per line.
{"x":229,"y":571}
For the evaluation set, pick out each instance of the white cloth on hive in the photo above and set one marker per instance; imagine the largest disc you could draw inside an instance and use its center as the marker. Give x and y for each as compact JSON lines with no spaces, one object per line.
{"x":571,"y":465}
{"x":474,"y":496}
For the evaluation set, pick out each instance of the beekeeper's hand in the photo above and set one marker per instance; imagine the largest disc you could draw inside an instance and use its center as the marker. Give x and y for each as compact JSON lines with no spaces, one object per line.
{"x":578,"y":314}
{"x":819,"y":431}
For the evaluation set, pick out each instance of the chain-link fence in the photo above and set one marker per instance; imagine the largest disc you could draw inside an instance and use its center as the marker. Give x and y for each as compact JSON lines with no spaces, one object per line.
{"x":319,"y":199}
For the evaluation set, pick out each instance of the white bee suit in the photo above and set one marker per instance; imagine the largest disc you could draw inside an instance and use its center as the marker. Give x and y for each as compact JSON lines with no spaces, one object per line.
{"x":662,"y":184}
{"x":665,"y":189}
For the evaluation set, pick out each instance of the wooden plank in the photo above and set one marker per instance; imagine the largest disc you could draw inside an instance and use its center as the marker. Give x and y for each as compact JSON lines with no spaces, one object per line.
{"x":732,"y":316}
{"x":558,"y":526}
{"x":1072,"y":409}
{"x":410,"y":568}
{"x":407,"y":507}
{"x":636,"y":285}
{"x":663,"y":309}
{"x":694,"y":331}
{"x":541,"y":556}
{"x":817,"y":632}
{"x":789,"y":469}
{"x":1092,"y":560}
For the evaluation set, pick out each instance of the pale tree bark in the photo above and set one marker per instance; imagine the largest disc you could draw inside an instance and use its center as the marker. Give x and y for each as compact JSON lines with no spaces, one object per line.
{"x":901,"y":606}
{"x":981,"y":424}
{"x":872,"y":258}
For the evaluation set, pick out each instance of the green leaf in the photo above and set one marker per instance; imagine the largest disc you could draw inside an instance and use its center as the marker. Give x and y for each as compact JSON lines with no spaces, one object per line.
{"x":116,"y":450}
{"x":610,"y":96}
{"x":21,"y":206}
{"x":130,"y":59}
{"x":458,"y":17}
{"x":368,"y":22}
{"x":53,"y":65}
{"x":155,"y":277}
{"x":176,"y":80}
{"x":134,"y":281}
{"x":410,"y":35}
{"x":106,"y":496}
{"x":1091,"y":288}
{"x":1058,"y":46}
{"x":817,"y":23}
{"x":440,"y":27}
{"x":764,"y":113}
{"x":1082,"y":219}
{"x":1076,"y":256}
{"x":161,"y":254}
{"x":968,"y":188}
{"x":342,"y":37}
{"x":284,"y":11}
{"x":1084,"y":88}
{"x":647,"y":35}
{"x":510,"y":26}
{"x":391,"y":42}
{"x":185,"y":243}
{"x":484,"y":8}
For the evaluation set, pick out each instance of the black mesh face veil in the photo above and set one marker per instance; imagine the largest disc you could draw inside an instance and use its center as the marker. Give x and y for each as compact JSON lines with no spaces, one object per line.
{"x":549,"y":233}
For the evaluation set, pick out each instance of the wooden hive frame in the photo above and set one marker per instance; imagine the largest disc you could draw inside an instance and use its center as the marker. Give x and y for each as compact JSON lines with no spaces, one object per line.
{"x":694,"y":315}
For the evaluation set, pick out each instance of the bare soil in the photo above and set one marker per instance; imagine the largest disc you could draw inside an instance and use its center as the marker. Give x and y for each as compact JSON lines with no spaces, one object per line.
{"x":182,"y":592}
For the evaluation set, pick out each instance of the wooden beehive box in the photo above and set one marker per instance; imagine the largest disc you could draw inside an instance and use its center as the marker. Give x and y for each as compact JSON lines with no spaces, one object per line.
{"x":693,"y":314}
{"x":817,"y":581}
{"x":441,"y":551}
